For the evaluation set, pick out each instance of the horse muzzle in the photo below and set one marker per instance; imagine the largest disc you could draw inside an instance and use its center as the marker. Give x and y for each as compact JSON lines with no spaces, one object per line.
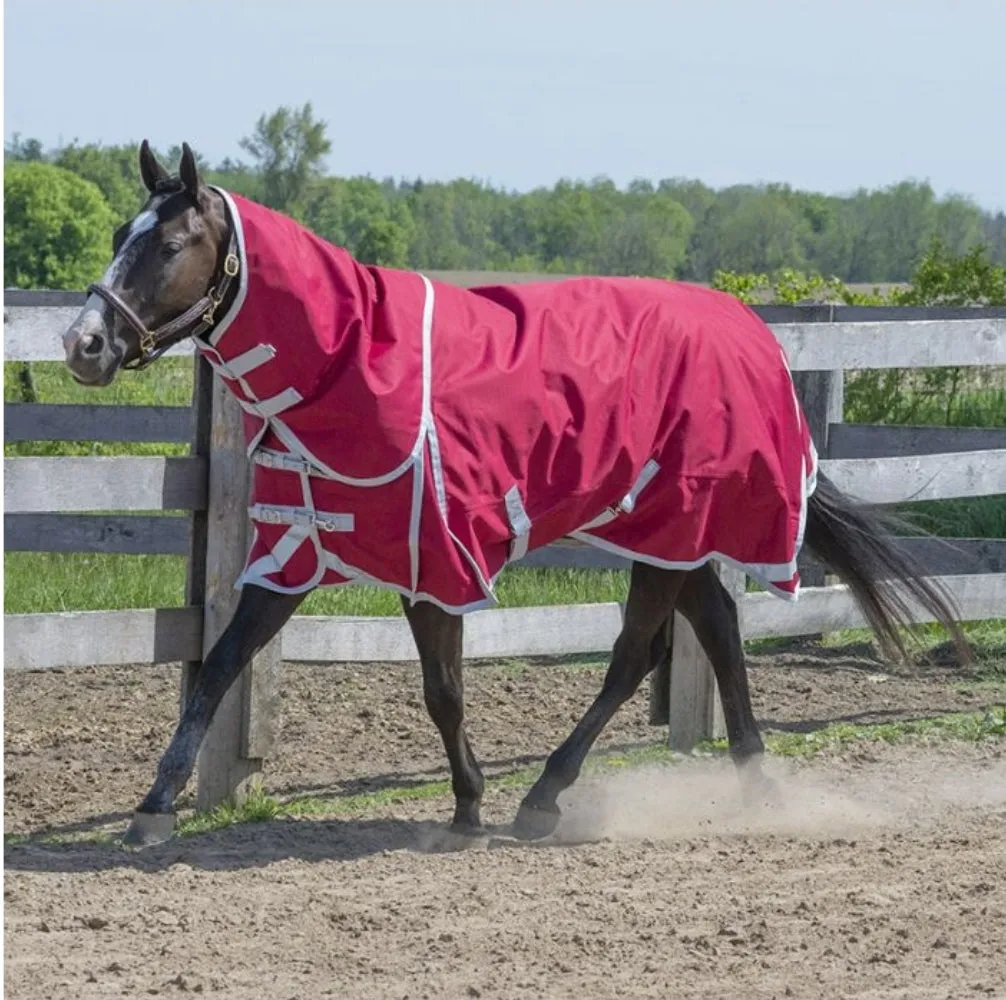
{"x":91,"y":353}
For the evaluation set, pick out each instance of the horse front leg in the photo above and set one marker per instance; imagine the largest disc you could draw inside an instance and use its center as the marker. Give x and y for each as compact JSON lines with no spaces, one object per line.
{"x":652,"y":593}
{"x":438,"y":639}
{"x":260,"y":614}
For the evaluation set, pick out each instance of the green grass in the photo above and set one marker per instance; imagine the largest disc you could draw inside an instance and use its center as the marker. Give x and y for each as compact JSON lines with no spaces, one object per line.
{"x":973,"y":727}
{"x":168,"y":383}
{"x":39,"y":582}
{"x":987,"y":639}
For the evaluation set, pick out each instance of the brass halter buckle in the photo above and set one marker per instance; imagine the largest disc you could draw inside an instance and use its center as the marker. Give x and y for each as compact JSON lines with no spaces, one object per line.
{"x":148,"y":344}
{"x":231,"y":267}
{"x":216,"y":300}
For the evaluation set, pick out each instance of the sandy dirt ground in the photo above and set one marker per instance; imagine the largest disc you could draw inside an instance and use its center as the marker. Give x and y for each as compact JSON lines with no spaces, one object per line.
{"x":882,"y":874}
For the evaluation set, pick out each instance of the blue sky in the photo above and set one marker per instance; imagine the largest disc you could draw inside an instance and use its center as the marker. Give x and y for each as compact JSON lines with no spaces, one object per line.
{"x":824,"y":95}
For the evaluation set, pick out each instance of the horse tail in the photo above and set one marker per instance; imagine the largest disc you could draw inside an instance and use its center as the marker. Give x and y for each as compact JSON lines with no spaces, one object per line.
{"x":854,"y":541}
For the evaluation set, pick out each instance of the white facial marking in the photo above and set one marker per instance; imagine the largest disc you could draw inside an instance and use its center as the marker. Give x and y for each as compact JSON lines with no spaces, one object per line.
{"x":92,"y":315}
{"x":142,"y":224}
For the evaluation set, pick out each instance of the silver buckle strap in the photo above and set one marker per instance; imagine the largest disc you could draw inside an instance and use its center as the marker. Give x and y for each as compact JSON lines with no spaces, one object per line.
{"x":270,"y":514}
{"x":282,"y":460}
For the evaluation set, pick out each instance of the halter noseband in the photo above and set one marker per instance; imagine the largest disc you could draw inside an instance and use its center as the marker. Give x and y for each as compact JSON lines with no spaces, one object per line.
{"x":153,"y":343}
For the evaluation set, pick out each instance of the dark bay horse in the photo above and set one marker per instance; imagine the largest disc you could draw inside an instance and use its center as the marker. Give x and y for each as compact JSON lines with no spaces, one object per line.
{"x":170,"y":278}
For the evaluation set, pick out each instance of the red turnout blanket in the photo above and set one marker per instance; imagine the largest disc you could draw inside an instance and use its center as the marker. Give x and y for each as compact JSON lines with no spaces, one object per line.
{"x":419,"y":436}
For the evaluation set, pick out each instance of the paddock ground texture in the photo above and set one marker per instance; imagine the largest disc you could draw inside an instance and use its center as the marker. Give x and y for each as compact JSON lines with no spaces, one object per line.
{"x":883,"y":875}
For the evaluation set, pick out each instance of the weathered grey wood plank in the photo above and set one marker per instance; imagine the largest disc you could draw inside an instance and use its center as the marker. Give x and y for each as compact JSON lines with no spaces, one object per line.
{"x":920,"y":477}
{"x":34,"y":333}
{"x":827,"y":609}
{"x":593,"y":628}
{"x":60,"y":422}
{"x":101,"y":638}
{"x":541,"y":631}
{"x":127,"y":535}
{"x":893,"y":344}
{"x":885,"y":440}
{"x":44,"y":485}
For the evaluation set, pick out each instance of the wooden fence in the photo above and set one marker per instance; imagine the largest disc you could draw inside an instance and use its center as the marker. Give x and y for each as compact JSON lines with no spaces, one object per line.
{"x":50,"y":505}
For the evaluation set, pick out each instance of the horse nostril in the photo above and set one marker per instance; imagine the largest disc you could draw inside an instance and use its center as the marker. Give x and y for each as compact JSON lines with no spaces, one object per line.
{"x":92,"y":344}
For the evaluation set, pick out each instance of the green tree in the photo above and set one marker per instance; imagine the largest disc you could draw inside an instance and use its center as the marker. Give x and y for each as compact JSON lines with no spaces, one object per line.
{"x":57,"y":228}
{"x":958,"y":224}
{"x":114,"y":169}
{"x":288,"y":147}
{"x":434,"y":242}
{"x":27,"y":150}
{"x":749,"y":230}
{"x":358,"y":215}
{"x":650,"y":238}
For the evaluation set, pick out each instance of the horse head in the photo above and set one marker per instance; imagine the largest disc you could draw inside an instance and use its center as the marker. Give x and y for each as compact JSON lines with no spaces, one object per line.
{"x":172,"y":269}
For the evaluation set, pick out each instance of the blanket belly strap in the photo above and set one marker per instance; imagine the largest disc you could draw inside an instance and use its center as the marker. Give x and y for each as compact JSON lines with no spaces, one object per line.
{"x":301,"y":516}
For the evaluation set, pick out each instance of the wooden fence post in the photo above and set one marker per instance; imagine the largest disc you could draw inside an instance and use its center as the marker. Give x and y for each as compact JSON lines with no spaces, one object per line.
{"x":695,"y":710}
{"x":241,"y":734}
{"x":822,"y":396}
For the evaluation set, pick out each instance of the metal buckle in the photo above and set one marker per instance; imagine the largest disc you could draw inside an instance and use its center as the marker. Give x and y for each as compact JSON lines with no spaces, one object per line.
{"x":211,"y":312}
{"x":148,"y":344}
{"x":231,"y":265}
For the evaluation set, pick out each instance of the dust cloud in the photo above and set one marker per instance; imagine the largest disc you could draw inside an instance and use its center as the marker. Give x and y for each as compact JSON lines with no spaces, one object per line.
{"x":814,"y":799}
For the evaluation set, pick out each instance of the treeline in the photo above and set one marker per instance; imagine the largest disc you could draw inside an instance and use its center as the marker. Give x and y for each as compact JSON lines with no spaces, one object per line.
{"x":61,"y":206}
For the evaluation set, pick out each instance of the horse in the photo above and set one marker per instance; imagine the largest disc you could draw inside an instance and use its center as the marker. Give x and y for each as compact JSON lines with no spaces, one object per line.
{"x":185,"y":262}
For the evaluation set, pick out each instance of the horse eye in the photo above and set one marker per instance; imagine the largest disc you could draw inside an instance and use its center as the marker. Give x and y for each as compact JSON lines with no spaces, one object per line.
{"x":170,"y":249}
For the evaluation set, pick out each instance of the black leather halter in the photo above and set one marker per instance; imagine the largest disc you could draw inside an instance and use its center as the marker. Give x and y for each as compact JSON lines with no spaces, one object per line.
{"x":196,"y":320}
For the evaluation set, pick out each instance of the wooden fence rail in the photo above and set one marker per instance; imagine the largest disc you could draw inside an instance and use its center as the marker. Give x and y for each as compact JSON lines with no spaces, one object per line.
{"x":111,"y":505}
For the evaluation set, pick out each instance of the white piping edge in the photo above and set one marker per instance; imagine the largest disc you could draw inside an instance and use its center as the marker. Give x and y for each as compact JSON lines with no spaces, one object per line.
{"x":767,"y":574}
{"x":618,"y":550}
{"x":415,"y":520}
{"x":239,"y":300}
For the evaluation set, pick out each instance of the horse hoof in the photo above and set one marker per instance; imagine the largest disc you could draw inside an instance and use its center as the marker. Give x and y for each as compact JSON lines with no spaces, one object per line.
{"x":535,"y":823}
{"x":148,"y":829}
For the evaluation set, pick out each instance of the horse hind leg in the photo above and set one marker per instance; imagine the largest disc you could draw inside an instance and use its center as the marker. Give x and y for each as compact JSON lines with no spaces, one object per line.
{"x":712,"y":613}
{"x":652,"y":593}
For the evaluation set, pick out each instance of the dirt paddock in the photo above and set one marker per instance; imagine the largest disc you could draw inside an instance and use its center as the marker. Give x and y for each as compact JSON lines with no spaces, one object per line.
{"x":882,"y":875}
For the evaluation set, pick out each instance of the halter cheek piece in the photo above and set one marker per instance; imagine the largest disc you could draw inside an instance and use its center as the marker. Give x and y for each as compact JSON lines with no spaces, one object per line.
{"x":153,"y":343}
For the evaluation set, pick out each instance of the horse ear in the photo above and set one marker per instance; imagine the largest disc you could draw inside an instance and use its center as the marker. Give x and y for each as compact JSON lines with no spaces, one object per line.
{"x":189,"y":172}
{"x":150,"y":170}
